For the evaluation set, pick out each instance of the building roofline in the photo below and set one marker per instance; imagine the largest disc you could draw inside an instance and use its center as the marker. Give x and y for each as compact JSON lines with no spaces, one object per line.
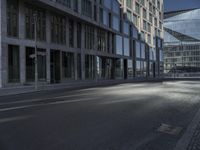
{"x":179,"y":11}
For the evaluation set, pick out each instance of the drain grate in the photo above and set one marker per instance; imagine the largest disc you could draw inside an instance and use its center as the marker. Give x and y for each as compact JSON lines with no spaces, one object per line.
{"x":169,"y":129}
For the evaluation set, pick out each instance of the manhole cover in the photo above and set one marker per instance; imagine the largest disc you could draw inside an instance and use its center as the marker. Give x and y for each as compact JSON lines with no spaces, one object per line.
{"x":169,"y":129}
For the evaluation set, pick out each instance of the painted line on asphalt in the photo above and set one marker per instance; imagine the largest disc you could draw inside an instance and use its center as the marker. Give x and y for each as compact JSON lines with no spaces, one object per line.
{"x":51,"y":103}
{"x":185,"y":140}
{"x":48,"y":98}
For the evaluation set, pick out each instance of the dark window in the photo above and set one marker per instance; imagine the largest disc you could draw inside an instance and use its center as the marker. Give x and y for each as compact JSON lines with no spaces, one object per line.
{"x":30,"y":23}
{"x":30,"y":64}
{"x":68,"y":65}
{"x":89,"y":37}
{"x":79,"y":31}
{"x":12,"y":18}
{"x":86,"y":8}
{"x":71,"y":33}
{"x":13,"y":64}
{"x":58,"y":29}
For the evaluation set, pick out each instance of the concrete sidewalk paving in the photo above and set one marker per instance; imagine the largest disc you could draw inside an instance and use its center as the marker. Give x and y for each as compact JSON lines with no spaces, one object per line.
{"x":68,"y":86}
{"x":191,"y":138}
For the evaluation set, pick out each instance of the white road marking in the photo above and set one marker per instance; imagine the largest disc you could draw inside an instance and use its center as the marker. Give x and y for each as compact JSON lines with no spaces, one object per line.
{"x":48,"y":98}
{"x":51,"y":103}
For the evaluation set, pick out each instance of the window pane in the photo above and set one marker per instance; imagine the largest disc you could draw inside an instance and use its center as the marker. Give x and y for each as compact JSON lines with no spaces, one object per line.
{"x":13,"y":64}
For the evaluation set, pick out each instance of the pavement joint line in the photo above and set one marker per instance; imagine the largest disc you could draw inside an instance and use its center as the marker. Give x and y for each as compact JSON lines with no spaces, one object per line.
{"x":51,"y":103}
{"x":185,"y":140}
{"x":43,"y":99}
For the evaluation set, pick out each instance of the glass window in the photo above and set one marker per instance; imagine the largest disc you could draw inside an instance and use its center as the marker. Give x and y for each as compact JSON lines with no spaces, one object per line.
{"x":116,"y":7}
{"x":30,"y":64}
{"x":89,"y":37}
{"x":89,"y":67}
{"x":126,"y":28}
{"x":65,"y":2}
{"x":30,"y":23}
{"x":126,"y":47}
{"x":135,"y":32}
{"x":119,"y":45}
{"x":129,"y":15}
{"x":58,"y":29}
{"x":130,"y":68}
{"x":101,"y":36}
{"x":79,"y":35}
{"x":129,"y":3}
{"x":107,"y":3}
{"x":143,"y":51}
{"x":12,"y":18}
{"x":138,"y":51}
{"x":137,"y":8}
{"x":13,"y":64}
{"x":86,"y":8}
{"x":68,"y":65}
{"x":138,"y":68}
{"x":116,"y":23}
{"x":79,"y":68}
{"x":119,"y":72}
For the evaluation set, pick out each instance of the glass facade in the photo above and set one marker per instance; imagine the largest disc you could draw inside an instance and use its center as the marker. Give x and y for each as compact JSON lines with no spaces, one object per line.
{"x":181,"y":40}
{"x":79,"y":45}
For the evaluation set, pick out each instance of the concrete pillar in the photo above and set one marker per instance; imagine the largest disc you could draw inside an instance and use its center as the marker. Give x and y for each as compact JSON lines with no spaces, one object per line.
{"x":4,"y":67}
{"x":3,"y":46}
{"x":48,"y":65}
{"x":82,"y":53}
{"x":22,"y":47}
{"x":75,"y":66}
{"x":48,"y":27}
{"x":0,"y":43}
{"x":48,"y":50}
{"x":22,"y":64}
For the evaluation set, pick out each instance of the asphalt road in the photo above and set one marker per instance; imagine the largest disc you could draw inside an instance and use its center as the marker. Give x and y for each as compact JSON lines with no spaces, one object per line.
{"x":120,"y":117}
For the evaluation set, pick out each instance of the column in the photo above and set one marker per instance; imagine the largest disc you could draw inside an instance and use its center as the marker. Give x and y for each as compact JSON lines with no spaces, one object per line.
{"x":82,"y":53}
{"x":48,"y":50}
{"x":22,"y":46}
{"x":0,"y":44}
{"x":3,"y":46}
{"x":48,"y":65}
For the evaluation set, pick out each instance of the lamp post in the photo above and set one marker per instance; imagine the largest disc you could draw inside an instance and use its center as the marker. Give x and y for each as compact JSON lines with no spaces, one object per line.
{"x":36,"y":53}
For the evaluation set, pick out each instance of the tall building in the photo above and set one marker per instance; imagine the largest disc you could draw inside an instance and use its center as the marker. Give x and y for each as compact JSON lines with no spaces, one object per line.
{"x":147,"y":16}
{"x":182,"y":41}
{"x":74,"y":40}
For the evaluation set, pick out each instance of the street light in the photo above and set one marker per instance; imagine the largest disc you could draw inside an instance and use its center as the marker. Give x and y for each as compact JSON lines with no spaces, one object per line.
{"x":35,"y":15}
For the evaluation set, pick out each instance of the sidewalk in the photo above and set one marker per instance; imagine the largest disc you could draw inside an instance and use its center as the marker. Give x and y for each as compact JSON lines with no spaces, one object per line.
{"x":68,"y":86}
{"x":191,"y":138}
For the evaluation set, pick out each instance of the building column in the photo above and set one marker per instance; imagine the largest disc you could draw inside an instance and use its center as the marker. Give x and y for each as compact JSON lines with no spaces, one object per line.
{"x":22,"y":47}
{"x":4,"y":63}
{"x":48,"y":65}
{"x":0,"y":43}
{"x":82,"y":53}
{"x":3,"y":46}
{"x":75,"y":66}
{"x":22,"y":57}
{"x":48,"y":50}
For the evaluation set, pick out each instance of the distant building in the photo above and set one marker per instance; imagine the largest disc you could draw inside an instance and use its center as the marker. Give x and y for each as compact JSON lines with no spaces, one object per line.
{"x":182,"y":40}
{"x":77,"y":40}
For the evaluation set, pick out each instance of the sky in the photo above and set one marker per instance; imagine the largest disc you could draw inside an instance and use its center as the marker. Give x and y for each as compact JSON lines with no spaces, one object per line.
{"x":172,"y":5}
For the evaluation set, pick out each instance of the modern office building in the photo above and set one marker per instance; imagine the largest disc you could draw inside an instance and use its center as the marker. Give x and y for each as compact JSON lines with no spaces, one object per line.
{"x":182,"y":41}
{"x":147,"y":16}
{"x":73,"y":40}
